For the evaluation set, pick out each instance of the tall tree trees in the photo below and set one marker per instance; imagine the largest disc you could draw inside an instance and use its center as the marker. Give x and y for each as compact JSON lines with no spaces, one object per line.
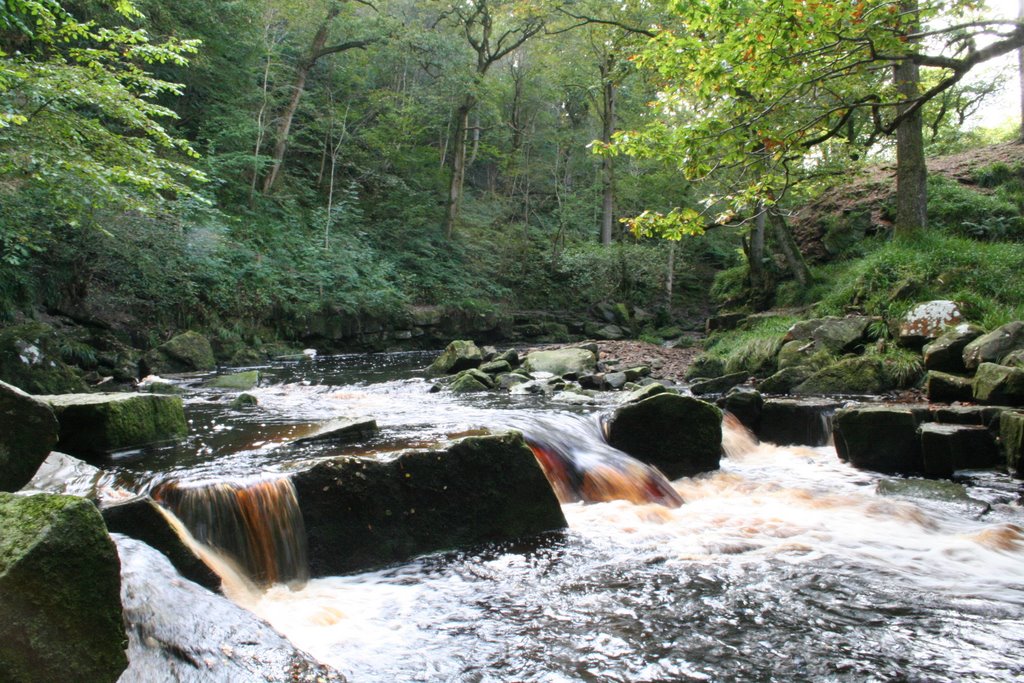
{"x":750,"y":88}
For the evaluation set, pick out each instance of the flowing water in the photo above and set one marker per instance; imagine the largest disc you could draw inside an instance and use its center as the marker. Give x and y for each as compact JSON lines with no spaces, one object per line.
{"x":784,"y":565}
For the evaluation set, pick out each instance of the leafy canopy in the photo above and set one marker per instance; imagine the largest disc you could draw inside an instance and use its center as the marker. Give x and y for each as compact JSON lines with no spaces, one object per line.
{"x":749,"y":88}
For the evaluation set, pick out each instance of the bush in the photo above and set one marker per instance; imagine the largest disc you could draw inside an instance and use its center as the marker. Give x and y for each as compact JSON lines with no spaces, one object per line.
{"x":962,"y":211}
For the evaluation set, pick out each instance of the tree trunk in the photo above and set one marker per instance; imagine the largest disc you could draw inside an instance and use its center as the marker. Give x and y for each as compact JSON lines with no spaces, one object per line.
{"x":458,"y":165}
{"x":607,"y":163}
{"x":1020,"y":69}
{"x":760,"y":284}
{"x":790,"y":250}
{"x":911,"y":171}
{"x":670,"y":277}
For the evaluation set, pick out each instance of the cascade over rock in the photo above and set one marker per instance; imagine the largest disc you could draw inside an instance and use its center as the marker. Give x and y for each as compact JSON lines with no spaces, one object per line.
{"x":59,"y":592}
{"x":28,"y":434}
{"x":680,"y":435}
{"x":361,"y":513}
{"x":882,"y":438}
{"x":802,"y":422}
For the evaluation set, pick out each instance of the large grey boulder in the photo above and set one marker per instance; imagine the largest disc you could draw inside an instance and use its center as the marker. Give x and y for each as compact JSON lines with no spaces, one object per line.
{"x":719,"y":385}
{"x":362,"y":513}
{"x":680,"y":435}
{"x":946,"y":353}
{"x":832,"y":334}
{"x":999,"y":384}
{"x":994,"y":346}
{"x":881,"y":438}
{"x":854,"y":375}
{"x":797,"y":422}
{"x":187,"y":352}
{"x":94,"y":424}
{"x":946,"y":448}
{"x":928,"y":320}
{"x":561,"y":362}
{"x":142,"y":519}
{"x":28,"y":434}
{"x":1011,"y":438}
{"x":179,"y":631}
{"x":59,"y":592}
{"x":459,"y":355}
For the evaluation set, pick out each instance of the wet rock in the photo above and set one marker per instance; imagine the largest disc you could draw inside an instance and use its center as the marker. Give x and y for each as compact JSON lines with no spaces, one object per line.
{"x":511,"y":356}
{"x":244,"y":401}
{"x":506,"y":381}
{"x":59,"y":592}
{"x":1014,"y":359}
{"x":610,"y":332}
{"x":94,"y":424}
{"x":647,"y":391}
{"x":561,"y":362}
{"x":880,"y":438}
{"x":240,"y":381}
{"x":783,"y":381}
{"x":28,"y":435}
{"x":187,"y":352}
{"x":985,"y":416}
{"x":496,"y":367}
{"x":30,"y":358}
{"x":992,"y":347}
{"x":928,"y":320}
{"x":142,"y":519}
{"x":459,"y":355}
{"x":746,"y":403}
{"x":1011,"y":438}
{"x":615,"y":380}
{"x":999,"y":384}
{"x":946,"y":353}
{"x":572,"y":398}
{"x":680,"y":435}
{"x":948,"y":447}
{"x":341,"y":431}
{"x":637,"y":373}
{"x":719,"y":385}
{"x":939,"y":491}
{"x":855,"y":375}
{"x":941,"y":387}
{"x":63,"y":474}
{"x":179,"y":631}
{"x":468,"y":381}
{"x":362,"y":513}
{"x":796,"y":422}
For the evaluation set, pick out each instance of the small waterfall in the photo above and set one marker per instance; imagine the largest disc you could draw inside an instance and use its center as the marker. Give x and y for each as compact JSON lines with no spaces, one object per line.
{"x":581,"y":467}
{"x":257,"y":525}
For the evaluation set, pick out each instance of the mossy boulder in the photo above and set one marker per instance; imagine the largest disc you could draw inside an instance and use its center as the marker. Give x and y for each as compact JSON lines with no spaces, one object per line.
{"x":28,"y":435}
{"x":946,"y":448}
{"x":496,"y":367}
{"x":705,"y":367}
{"x":783,"y":381}
{"x":942,"y":387}
{"x":561,"y":362}
{"x":746,"y":403}
{"x":938,"y":491}
{"x":646,"y":391}
{"x":946,"y":353}
{"x":187,"y":352}
{"x":59,"y":592}
{"x":362,"y":513}
{"x":855,"y":375}
{"x":719,"y":385}
{"x":94,"y":424}
{"x":239,"y":381}
{"x":459,"y":355}
{"x":469,"y":381}
{"x":680,"y":435}
{"x":994,"y":346}
{"x":1011,"y":438}
{"x":999,"y":384}
{"x":880,"y":438}
{"x":832,"y":334}
{"x":30,"y":358}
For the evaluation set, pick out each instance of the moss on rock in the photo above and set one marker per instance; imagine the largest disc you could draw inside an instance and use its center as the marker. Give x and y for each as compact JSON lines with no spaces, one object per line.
{"x":93,"y":424}
{"x":28,"y":435}
{"x":59,"y":592}
{"x":856,"y":375}
{"x":187,"y":352}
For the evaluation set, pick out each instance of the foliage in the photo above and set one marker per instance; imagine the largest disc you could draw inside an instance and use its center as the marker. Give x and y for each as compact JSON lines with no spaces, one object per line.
{"x":963,"y":211}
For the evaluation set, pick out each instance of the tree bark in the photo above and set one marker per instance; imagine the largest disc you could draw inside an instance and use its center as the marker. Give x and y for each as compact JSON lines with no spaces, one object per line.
{"x":789,"y":248}
{"x":607,"y":163}
{"x":911,"y":171}
{"x":1020,"y":70}
{"x":760,"y":283}
{"x":458,"y":164}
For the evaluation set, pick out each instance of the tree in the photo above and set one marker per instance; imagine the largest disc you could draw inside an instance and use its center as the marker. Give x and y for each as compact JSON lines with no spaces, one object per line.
{"x":317,"y":50}
{"x":79,"y":121}
{"x":493,"y":29}
{"x":751,"y":88}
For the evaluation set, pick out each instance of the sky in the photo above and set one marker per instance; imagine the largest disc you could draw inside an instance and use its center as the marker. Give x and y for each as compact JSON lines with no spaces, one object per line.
{"x":1006,"y":105}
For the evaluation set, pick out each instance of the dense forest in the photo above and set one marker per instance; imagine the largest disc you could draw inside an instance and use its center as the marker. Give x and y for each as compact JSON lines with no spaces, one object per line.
{"x":252,"y":168}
